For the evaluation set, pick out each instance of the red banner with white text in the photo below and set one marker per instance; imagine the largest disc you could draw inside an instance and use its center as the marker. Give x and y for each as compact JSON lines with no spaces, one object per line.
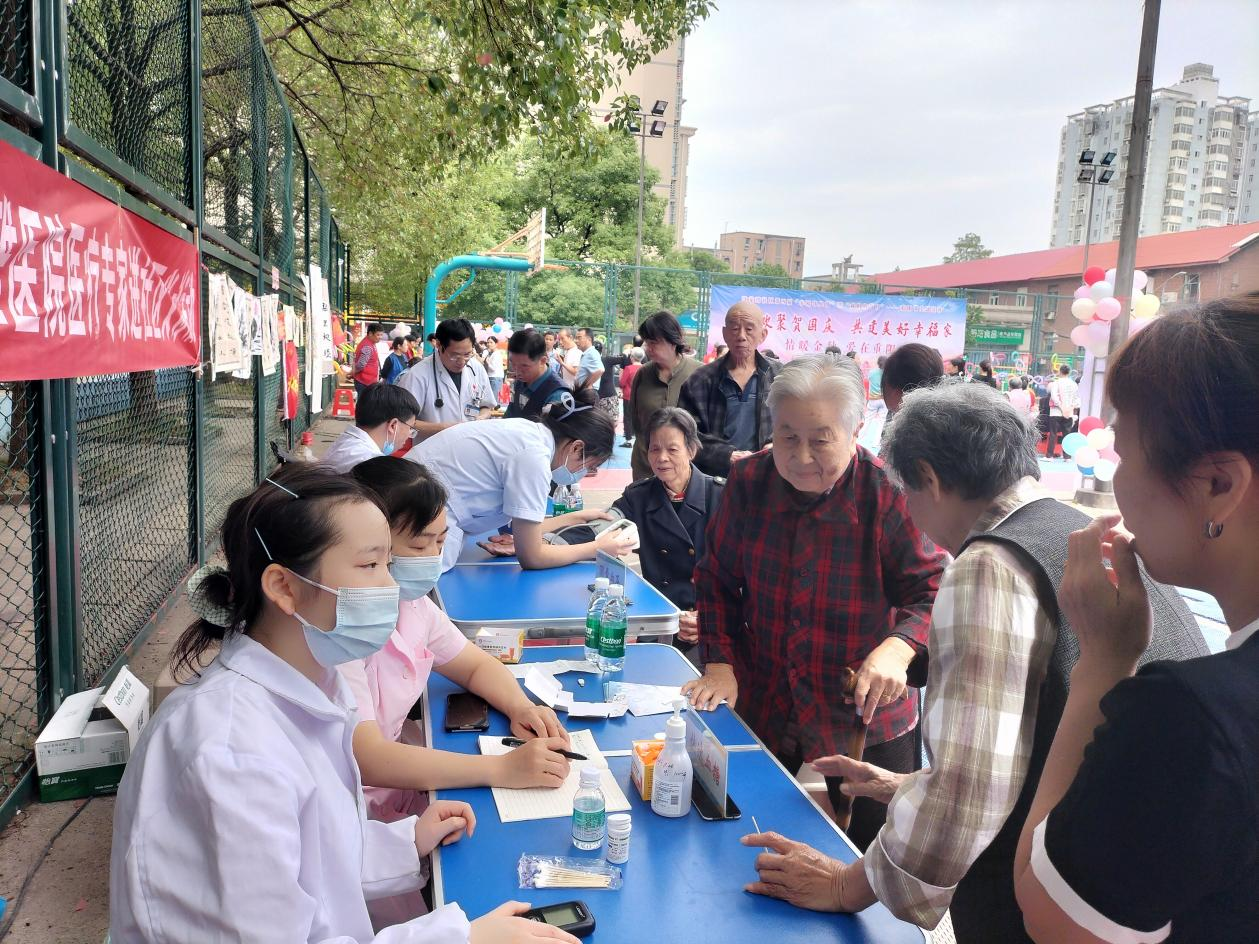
{"x":87,"y":287}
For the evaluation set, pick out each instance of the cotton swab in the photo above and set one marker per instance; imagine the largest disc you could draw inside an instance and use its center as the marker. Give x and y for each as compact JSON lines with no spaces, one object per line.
{"x":758,"y":829}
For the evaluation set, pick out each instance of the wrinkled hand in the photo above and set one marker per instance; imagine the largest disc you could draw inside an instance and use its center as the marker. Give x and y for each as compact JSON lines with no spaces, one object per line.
{"x":534,"y":764}
{"x":443,"y":823}
{"x":795,"y":873}
{"x":1108,"y":607}
{"x":707,"y":691}
{"x":688,"y":626}
{"x":860,"y":779}
{"x":501,"y":926}
{"x":618,"y":543}
{"x":530,"y":721}
{"x":881,"y":679}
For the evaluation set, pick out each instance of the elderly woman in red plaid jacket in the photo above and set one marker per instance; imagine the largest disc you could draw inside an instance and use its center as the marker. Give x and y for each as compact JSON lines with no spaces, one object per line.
{"x":812,"y":566}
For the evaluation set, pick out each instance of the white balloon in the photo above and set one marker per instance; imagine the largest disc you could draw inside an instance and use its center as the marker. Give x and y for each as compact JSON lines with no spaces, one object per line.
{"x":1110,"y":276}
{"x":1083,"y":309}
{"x":1086,"y":457}
{"x":1147,"y":307}
{"x":1139,"y":280}
{"x":1104,"y":470}
{"x":1102,"y":289}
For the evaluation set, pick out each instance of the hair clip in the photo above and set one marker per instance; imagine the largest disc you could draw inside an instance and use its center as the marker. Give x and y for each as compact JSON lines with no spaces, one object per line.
{"x":265,"y":549}
{"x":281,"y":488}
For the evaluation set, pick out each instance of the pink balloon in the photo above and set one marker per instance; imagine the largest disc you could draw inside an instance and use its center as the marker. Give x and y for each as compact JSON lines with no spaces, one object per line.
{"x":1108,"y":454}
{"x":1082,"y":292}
{"x":1094,"y":274}
{"x":1080,"y":335}
{"x":1108,"y":309}
{"x":1099,"y":334}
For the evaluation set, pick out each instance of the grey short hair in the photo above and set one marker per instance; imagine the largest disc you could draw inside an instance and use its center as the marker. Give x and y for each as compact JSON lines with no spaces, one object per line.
{"x":678,"y":419}
{"x":977,"y":443}
{"x":823,"y":377}
{"x":637,"y":354}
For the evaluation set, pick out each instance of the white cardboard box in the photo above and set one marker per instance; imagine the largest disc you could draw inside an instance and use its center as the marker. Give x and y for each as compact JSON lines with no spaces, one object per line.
{"x":506,"y":645}
{"x":84,"y":749}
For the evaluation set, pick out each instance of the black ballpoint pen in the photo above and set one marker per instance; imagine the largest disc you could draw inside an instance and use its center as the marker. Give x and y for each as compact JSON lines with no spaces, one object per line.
{"x":517,"y":742}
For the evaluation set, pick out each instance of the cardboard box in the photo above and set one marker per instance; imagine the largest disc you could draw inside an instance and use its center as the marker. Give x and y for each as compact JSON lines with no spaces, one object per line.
{"x":84,"y":749}
{"x":505,"y":645}
{"x":643,"y":765}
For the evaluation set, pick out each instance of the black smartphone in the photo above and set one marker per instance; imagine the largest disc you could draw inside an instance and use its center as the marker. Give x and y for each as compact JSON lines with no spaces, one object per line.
{"x":571,"y":916}
{"x":466,"y":712}
{"x":707,"y":807}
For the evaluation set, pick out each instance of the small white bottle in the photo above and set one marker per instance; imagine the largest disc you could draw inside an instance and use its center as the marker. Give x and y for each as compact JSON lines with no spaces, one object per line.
{"x":618,"y":838}
{"x":671,"y":782}
{"x":590,"y":816}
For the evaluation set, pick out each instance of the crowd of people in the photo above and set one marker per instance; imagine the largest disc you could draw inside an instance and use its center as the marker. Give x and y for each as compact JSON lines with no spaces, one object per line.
{"x":1092,"y":772}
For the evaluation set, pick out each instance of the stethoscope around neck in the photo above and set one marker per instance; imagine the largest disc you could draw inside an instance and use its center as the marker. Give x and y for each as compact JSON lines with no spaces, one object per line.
{"x":439,"y":403}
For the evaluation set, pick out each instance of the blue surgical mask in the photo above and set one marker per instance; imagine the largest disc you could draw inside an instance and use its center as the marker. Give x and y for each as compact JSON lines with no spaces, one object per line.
{"x":566,"y":476}
{"x":388,"y":448}
{"x":416,"y":576}
{"x":366,"y":617}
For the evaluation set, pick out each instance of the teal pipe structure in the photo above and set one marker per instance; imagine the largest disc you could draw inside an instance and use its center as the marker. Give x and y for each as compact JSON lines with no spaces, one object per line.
{"x":505,"y":263}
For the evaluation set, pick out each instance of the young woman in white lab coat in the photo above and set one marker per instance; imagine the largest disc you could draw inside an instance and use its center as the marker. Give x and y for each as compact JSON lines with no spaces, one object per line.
{"x":241,"y":816}
{"x":501,"y":472}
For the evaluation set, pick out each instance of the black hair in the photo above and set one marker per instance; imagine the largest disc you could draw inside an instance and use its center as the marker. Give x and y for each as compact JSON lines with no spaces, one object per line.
{"x":383,"y":402}
{"x":589,"y":332}
{"x":548,"y":334}
{"x":566,"y":420}
{"x":399,"y":342}
{"x":663,"y":326}
{"x":959,"y":363}
{"x":411,"y":495}
{"x":598,"y":345}
{"x":373,"y":328}
{"x":1065,"y":370}
{"x":675,"y":418}
{"x":882,"y":361}
{"x":985,"y":367}
{"x":527,"y":342}
{"x":911,"y":366}
{"x":454,"y":329}
{"x":297,"y":532}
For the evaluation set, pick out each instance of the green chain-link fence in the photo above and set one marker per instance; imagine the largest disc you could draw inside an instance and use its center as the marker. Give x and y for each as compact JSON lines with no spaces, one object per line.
{"x":112,"y":487}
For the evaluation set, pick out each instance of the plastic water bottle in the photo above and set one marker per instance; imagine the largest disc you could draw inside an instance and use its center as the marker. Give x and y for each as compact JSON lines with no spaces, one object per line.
{"x":594,"y":613}
{"x":671,"y":782}
{"x":575,"y":501}
{"x":590,"y":817}
{"x":562,"y":499}
{"x":612,"y":628}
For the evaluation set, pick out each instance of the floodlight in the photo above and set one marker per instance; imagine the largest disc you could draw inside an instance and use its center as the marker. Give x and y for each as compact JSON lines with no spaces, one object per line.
{"x":1109,"y":158}
{"x":659,"y":107}
{"x":1086,"y":156}
{"x":657,"y":128}
{"x":1107,"y":174}
{"x":1086,"y":175}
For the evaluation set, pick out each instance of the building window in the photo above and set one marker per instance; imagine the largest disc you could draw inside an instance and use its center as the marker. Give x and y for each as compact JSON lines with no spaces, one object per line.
{"x":1020,"y":297}
{"x":994,"y":298}
{"x":1189,"y":292}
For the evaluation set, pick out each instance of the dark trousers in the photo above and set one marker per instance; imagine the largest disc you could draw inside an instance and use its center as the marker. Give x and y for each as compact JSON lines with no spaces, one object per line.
{"x":899,"y":755}
{"x":359,"y":388}
{"x":627,"y":416}
{"x":1059,"y":427}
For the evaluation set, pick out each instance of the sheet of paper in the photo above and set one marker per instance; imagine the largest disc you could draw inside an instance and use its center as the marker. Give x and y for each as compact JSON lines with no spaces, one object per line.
{"x":516,"y":806}
{"x":643,"y":700}
{"x":558,"y":667}
{"x":543,"y":686}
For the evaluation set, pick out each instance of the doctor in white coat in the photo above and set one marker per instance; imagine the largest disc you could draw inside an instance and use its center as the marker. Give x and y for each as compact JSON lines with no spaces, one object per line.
{"x":383,"y":418}
{"x":240,"y":816}
{"x":450,"y":385}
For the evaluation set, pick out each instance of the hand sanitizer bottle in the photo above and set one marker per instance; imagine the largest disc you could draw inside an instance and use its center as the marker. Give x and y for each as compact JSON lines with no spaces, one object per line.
{"x":671,"y":782}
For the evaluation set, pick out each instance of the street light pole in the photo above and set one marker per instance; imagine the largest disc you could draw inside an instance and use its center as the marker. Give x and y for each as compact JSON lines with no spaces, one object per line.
{"x":638,"y":245}
{"x":1088,"y":223}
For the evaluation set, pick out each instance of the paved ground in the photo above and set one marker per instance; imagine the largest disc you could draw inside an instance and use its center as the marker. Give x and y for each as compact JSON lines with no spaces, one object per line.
{"x":61,"y":850}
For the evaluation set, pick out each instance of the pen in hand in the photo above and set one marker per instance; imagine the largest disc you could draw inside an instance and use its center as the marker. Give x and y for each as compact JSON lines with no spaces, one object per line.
{"x":517,"y":742}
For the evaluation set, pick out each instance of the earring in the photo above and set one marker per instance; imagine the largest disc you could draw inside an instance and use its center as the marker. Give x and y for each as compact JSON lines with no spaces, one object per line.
{"x":1214,"y":530}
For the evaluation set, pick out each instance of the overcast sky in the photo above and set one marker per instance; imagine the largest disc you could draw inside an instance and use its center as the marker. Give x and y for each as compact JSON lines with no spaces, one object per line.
{"x":887,"y":128}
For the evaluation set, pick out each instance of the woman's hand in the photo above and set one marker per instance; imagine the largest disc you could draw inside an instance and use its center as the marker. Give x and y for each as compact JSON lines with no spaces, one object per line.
{"x":717,"y":683}
{"x":618,"y":543}
{"x":688,"y":626}
{"x":530,"y":721}
{"x":502,"y":926}
{"x":588,"y":515}
{"x":881,"y":679}
{"x":442,"y":823}
{"x":534,"y":764}
{"x":860,"y":779}
{"x":1107,"y":606}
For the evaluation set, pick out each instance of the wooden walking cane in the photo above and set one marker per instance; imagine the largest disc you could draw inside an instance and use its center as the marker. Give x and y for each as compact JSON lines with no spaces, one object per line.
{"x":856,"y":747}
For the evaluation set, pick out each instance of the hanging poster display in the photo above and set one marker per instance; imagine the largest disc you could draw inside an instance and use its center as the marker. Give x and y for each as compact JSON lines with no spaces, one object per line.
{"x":270,"y":306}
{"x":225,"y":347}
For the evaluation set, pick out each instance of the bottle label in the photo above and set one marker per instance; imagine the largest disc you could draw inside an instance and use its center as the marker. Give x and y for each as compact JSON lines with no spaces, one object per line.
{"x":666,"y":797}
{"x":618,"y":849}
{"x":612,"y":641}
{"x":588,"y":825}
{"x":592,"y":631}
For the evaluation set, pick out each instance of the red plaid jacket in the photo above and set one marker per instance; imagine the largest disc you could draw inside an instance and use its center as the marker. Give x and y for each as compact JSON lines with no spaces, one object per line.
{"x":793,"y":588}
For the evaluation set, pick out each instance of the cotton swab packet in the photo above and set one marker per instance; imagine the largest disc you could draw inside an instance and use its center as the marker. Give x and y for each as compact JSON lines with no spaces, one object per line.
{"x":538,"y":871}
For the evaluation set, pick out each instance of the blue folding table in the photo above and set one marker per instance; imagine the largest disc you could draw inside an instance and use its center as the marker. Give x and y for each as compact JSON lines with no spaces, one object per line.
{"x":684,"y":880}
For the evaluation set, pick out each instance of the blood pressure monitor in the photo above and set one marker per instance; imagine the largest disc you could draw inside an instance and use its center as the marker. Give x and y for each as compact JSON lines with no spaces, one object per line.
{"x":571,"y":916}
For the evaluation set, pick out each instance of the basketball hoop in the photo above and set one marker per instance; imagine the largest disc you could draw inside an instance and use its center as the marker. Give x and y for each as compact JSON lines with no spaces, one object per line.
{"x":533,"y":234}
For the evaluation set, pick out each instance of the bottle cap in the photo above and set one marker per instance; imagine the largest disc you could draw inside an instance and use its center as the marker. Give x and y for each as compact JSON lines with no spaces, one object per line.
{"x":590,"y":776}
{"x":619,"y":823}
{"x":616,"y":590}
{"x":308,"y":438}
{"x":602,"y":583}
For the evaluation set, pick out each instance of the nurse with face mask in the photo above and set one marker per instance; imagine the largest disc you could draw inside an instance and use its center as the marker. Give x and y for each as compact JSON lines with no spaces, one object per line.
{"x":397,"y":768}
{"x":241,"y":815}
{"x":501,"y":473}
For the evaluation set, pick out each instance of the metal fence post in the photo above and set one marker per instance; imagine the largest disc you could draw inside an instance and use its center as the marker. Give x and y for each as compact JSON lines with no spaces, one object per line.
{"x":610,"y":286}
{"x":196,"y":489}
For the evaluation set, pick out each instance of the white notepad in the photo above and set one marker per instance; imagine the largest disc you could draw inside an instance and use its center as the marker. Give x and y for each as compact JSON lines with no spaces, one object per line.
{"x":517,"y":806}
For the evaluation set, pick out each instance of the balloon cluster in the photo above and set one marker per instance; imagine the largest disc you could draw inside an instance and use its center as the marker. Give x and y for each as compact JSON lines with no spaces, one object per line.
{"x":1096,"y":306}
{"x":1093,"y":449}
{"x":500,"y":330}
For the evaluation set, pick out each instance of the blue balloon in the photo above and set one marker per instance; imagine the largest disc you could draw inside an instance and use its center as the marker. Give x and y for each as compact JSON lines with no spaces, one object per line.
{"x":1074,"y":441}
{"x":1088,"y":471}
{"x":498,"y":329}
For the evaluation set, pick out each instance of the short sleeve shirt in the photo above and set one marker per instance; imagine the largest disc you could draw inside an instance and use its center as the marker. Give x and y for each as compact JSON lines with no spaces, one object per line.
{"x":1158,"y":837}
{"x":387,"y":684}
{"x":590,"y":362}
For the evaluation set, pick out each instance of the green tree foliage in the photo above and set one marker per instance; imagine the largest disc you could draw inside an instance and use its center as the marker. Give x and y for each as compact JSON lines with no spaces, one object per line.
{"x":967,"y":248}
{"x":399,"y":105}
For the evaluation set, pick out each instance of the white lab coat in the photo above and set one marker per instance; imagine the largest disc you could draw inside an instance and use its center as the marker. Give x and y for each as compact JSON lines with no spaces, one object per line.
{"x":493,"y":472}
{"x":349,"y":449}
{"x":458,"y":406}
{"x":241,"y":818}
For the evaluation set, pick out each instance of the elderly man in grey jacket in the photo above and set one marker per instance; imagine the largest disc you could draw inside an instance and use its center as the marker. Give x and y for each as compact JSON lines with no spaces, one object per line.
{"x":729,"y":398}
